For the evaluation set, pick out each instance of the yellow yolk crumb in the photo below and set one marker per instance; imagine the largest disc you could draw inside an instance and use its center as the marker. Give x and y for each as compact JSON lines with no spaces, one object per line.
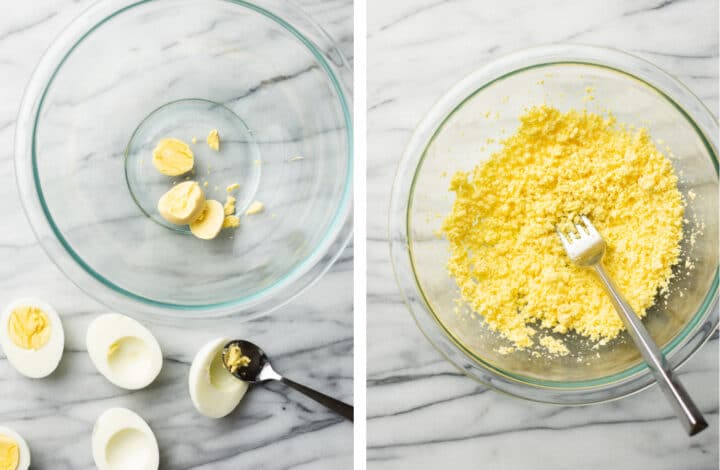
{"x":231,"y":221}
{"x":29,"y":327}
{"x":505,"y":350}
{"x":505,"y":255}
{"x":255,"y":208}
{"x":232,"y":187}
{"x":229,"y":205}
{"x":194,"y":140}
{"x":235,"y":358}
{"x":173,"y":157}
{"x":589,"y":94}
{"x":213,"y":140}
{"x":9,"y":453}
{"x":554,"y":346}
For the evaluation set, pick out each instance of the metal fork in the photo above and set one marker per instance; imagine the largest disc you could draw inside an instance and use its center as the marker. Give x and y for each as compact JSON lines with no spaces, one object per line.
{"x":587,"y":250}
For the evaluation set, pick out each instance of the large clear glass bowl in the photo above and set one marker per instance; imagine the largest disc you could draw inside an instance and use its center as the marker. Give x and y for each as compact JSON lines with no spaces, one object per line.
{"x":450,"y":138}
{"x":127,"y":73}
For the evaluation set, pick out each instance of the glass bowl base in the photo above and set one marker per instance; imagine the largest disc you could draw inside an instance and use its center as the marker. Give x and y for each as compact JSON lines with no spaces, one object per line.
{"x":237,"y":162}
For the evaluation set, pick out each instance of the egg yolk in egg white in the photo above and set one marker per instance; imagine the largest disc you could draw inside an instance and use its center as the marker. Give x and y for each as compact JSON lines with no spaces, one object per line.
{"x":29,"y":327}
{"x":9,"y":453}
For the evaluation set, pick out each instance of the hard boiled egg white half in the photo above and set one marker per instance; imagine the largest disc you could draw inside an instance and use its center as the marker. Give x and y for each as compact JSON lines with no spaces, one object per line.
{"x":214,"y":391}
{"x":122,"y":440}
{"x":32,"y":337}
{"x":14,"y":451}
{"x":124,"y":351}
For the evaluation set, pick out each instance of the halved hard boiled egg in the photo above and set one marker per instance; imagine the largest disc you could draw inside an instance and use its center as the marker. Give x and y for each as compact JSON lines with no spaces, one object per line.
{"x":214,"y":391}
{"x":208,"y":224}
{"x":123,"y":351}
{"x":32,"y":337}
{"x":122,"y":440}
{"x":183,"y":203}
{"x":14,"y":451}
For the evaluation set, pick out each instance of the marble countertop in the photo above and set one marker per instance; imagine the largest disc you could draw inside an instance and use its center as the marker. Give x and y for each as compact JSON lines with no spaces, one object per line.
{"x":422,"y":413}
{"x":312,"y":338}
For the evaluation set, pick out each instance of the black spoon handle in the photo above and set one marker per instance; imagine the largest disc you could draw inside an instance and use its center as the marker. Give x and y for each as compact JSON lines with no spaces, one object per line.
{"x":343,"y":409}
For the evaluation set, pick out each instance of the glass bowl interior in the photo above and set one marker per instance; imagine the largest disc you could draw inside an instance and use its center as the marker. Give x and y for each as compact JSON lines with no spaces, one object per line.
{"x":262,"y":74}
{"x":458,"y":143}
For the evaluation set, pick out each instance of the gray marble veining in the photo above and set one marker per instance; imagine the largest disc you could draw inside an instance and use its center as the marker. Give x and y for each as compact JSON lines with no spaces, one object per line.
{"x":310,"y":340}
{"x":422,"y":413}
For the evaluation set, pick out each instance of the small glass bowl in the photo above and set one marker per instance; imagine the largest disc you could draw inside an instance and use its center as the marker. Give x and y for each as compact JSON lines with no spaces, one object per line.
{"x":127,"y":73}
{"x":449,"y":139}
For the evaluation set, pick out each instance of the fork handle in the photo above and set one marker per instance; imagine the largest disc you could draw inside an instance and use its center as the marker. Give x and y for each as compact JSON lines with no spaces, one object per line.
{"x":685,"y":409}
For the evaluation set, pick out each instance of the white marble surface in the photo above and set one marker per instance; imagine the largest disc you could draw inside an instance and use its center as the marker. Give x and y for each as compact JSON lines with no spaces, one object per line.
{"x":421,"y":412}
{"x":311,"y":338}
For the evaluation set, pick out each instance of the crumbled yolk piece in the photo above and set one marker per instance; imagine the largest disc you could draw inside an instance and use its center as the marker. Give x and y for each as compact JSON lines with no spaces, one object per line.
{"x":213,"y":140}
{"x":9,"y":453}
{"x":589,"y":94}
{"x":232,"y":187}
{"x":235,"y":358}
{"x":173,"y":157}
{"x":231,"y":221}
{"x":255,"y":208}
{"x":505,"y":255}
{"x":229,"y":205}
{"x":29,"y":327}
{"x":554,"y":346}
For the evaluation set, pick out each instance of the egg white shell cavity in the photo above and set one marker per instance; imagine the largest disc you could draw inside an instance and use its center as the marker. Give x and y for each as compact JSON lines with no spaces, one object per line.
{"x":137,"y":360}
{"x":121,"y":439}
{"x":214,"y":391}
{"x":24,"y":461}
{"x":32,"y":363}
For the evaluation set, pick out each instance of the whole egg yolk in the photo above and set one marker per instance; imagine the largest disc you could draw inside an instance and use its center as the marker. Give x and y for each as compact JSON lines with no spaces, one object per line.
{"x":9,"y":453}
{"x":29,"y":327}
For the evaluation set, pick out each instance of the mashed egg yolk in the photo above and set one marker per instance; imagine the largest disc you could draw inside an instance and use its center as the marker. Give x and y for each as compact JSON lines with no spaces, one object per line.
{"x":236,"y":359}
{"x":505,"y":254}
{"x":29,"y":327}
{"x":9,"y":453}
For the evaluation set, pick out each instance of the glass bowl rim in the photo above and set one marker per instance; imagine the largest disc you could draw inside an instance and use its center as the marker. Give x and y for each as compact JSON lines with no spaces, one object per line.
{"x":695,"y":333}
{"x":301,"y":277}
